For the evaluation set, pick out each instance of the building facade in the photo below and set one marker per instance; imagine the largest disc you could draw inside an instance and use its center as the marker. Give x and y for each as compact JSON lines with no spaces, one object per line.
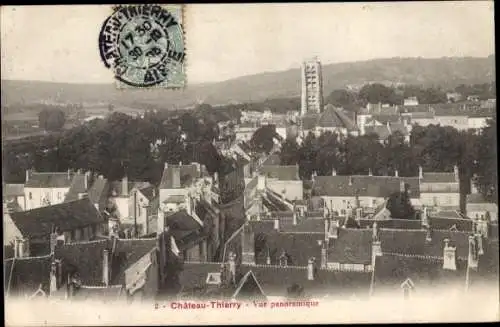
{"x":312,"y":87}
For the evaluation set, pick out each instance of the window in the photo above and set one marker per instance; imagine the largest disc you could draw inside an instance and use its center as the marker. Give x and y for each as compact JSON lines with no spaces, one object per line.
{"x":30,"y":196}
{"x":374,"y":202}
{"x":59,"y":195}
{"x":342,"y":212}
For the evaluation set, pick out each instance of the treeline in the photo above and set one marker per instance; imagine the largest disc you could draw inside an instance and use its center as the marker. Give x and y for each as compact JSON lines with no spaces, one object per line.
{"x":379,"y":93}
{"x":119,"y":145}
{"x":434,"y":148}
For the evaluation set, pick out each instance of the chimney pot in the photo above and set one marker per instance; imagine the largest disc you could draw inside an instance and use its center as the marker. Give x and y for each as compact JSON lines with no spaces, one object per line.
{"x":276,"y":224}
{"x":53,"y":278}
{"x":420,"y":172}
{"x":27,"y":174}
{"x":166,"y":165}
{"x":310,"y":269}
{"x":396,"y":173}
{"x":105,"y":267}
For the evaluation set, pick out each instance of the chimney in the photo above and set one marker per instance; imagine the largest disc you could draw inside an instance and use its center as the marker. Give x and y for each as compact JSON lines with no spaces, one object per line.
{"x":125,"y":186}
{"x":473,"y":187}
{"x":295,"y":218}
{"x":420,"y":172}
{"x":350,"y":180}
{"x":389,"y":127}
{"x":456,"y":171}
{"x":402,"y":186}
{"x":268,"y":258}
{"x":449,"y":254}
{"x":232,"y":267}
{"x":428,"y":234}
{"x":248,"y":246}
{"x":327,"y":227}
{"x":105,"y":267}
{"x":334,"y":172}
{"x":333,"y":231}
{"x":370,"y":172}
{"x":479,"y":241}
{"x":324,"y":256}
{"x":53,"y":278}
{"x":28,"y":172}
{"x":310,"y":269}
{"x":396,"y":173}
{"x":425,"y":218}
{"x":69,"y":174}
{"x":472,"y":259}
{"x":376,"y":244}
{"x":166,"y":165}
{"x":16,"y":247}
{"x":277,"y":224}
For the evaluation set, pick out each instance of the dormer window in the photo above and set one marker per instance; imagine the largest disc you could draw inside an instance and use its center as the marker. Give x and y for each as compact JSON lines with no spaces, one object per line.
{"x":283,"y":259}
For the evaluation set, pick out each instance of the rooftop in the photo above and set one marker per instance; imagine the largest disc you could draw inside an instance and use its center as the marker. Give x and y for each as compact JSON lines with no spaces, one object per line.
{"x":49,"y":180}
{"x":188,"y":173}
{"x":13,"y":190}
{"x":66,"y":216}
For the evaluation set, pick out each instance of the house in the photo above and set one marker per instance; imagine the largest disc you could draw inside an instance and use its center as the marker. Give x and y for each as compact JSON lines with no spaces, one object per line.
{"x":458,"y":269}
{"x":33,"y":232}
{"x":477,"y":207}
{"x":13,"y":194}
{"x":478,"y":120}
{"x":384,"y":131}
{"x":44,"y":189}
{"x":103,"y":270}
{"x":283,"y":180}
{"x":99,"y":193}
{"x":176,"y":183}
{"x":293,"y":272}
{"x":341,"y":193}
{"x":145,"y":211}
{"x":122,"y":205}
{"x":190,"y":234}
{"x":446,"y":118}
{"x":245,"y":131}
{"x":422,"y":118}
{"x":410,"y":101}
{"x":336,"y":121}
{"x":440,"y":189}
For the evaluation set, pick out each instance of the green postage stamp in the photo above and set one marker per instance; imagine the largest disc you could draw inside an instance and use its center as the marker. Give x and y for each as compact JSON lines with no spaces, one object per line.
{"x":144,"y":46}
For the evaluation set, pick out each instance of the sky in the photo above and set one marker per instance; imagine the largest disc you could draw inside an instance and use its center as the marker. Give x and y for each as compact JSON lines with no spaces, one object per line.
{"x":224,"y":41}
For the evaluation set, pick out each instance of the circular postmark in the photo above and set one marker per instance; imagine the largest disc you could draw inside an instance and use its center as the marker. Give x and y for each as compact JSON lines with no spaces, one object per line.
{"x":142,"y":44}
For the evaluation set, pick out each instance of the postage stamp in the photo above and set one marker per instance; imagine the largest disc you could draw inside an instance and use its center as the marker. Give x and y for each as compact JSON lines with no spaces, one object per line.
{"x":144,"y":46}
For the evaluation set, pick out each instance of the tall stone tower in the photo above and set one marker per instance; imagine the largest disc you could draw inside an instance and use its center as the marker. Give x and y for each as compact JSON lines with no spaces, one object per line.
{"x":312,"y":87}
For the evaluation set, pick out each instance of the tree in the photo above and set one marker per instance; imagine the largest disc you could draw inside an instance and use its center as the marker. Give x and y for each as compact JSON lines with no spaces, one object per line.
{"x":51,"y":119}
{"x":400,"y":206}
{"x":342,"y":98}
{"x":263,"y":138}
{"x":379,"y":93}
{"x":486,"y":161}
{"x":289,"y":154}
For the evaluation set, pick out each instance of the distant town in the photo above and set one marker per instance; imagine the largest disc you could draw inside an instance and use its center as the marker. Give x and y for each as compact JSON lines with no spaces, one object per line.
{"x":377,"y":189}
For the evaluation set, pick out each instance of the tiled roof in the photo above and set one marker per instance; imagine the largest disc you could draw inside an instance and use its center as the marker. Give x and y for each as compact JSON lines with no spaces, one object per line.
{"x":413,"y":242}
{"x":438,"y":222}
{"x":77,"y":187}
{"x":414,"y":109}
{"x":299,"y":247}
{"x":272,"y":160}
{"x":25,"y":275}
{"x":188,"y":173}
{"x":376,"y":186}
{"x":284,"y":173}
{"x":13,"y":190}
{"x":49,"y":180}
{"x":307,"y":225}
{"x":184,"y":228}
{"x":448,"y":214}
{"x":149,"y":192}
{"x":272,"y":204}
{"x":334,"y":117}
{"x":392,"y":223}
{"x":439,"y":178}
{"x":426,"y":273}
{"x":66,"y":216}
{"x":351,"y":246}
{"x":99,"y":188}
{"x":87,"y":258}
{"x":275,"y":280}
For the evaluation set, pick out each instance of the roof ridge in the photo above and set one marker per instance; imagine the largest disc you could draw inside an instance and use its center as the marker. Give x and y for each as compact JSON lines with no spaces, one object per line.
{"x":137,"y":239}
{"x":87,"y":242}
{"x":100,"y":287}
{"x":27,"y":258}
{"x":274,"y":266}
